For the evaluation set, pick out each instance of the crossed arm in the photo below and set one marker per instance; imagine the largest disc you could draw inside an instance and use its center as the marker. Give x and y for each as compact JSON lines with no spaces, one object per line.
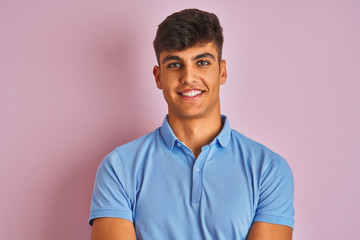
{"x":269,"y":231}
{"x":112,"y":229}
{"x":121,"y":229}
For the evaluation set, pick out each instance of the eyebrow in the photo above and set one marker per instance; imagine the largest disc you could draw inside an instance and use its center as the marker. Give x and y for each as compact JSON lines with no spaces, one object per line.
{"x":171,"y":57}
{"x":174,"y":57}
{"x":204,"y":55}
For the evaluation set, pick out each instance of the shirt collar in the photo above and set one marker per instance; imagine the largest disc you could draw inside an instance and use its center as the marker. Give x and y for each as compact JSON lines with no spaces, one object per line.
{"x":170,"y":139}
{"x":167,"y":133}
{"x":224,"y":136}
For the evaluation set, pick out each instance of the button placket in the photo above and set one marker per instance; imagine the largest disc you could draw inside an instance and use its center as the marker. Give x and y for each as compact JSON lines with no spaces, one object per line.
{"x":198,"y":175}
{"x":187,"y":153}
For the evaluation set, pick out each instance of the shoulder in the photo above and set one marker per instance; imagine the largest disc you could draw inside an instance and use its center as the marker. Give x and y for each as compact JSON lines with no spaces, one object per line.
{"x":139,"y":143}
{"x":247,"y":142}
{"x":256,"y":153}
{"x":133,"y":149}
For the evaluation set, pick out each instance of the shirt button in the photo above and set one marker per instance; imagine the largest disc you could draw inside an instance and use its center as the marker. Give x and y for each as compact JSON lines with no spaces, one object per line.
{"x":197,"y":169}
{"x":178,"y":144}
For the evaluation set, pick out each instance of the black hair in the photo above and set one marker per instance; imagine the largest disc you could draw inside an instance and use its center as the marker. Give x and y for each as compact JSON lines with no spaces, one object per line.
{"x":188,"y":28}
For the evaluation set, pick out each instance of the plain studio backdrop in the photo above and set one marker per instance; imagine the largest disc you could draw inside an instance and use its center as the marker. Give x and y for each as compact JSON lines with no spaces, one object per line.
{"x":76,"y":81}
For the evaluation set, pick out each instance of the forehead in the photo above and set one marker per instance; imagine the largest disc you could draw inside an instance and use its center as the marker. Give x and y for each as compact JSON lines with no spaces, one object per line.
{"x":190,"y":53}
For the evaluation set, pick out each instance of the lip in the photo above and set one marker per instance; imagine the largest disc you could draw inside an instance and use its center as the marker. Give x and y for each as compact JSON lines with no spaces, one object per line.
{"x":191,"y":94}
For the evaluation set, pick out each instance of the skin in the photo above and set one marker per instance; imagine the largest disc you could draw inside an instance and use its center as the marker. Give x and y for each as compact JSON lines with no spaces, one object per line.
{"x":196,"y":121}
{"x":269,"y":231}
{"x":112,"y":229}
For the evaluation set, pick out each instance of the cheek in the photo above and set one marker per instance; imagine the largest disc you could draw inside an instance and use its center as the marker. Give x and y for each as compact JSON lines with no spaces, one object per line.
{"x":212,"y":80}
{"x":169,"y":81}
{"x":168,"y":90}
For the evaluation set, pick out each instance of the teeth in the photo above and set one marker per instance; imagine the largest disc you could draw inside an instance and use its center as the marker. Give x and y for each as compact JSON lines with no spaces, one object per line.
{"x":191,"y":93}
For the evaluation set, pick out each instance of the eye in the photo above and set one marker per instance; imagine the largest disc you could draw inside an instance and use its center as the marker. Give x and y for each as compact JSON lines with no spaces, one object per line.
{"x":203,"y":63}
{"x":174,"y":65}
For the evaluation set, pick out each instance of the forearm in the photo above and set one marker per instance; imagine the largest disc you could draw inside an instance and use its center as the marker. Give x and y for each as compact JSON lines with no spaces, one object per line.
{"x":268,"y":231}
{"x":112,"y":229}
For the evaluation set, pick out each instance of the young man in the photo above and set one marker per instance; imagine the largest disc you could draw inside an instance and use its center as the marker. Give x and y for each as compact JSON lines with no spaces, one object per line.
{"x":194,"y":177}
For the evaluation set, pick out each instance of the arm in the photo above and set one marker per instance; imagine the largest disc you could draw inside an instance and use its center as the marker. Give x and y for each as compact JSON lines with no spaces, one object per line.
{"x":274,"y":217}
{"x":111,"y":212}
{"x":269,"y":231}
{"x":112,"y":229}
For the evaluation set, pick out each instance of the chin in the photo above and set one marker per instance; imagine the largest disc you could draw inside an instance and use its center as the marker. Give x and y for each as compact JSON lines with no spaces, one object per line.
{"x":191,"y":115}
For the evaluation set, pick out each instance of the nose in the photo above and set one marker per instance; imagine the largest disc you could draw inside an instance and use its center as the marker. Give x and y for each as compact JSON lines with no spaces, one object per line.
{"x":188,"y":75}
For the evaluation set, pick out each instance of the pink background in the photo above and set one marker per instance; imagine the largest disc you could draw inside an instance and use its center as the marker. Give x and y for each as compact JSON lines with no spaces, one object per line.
{"x":76,"y":81}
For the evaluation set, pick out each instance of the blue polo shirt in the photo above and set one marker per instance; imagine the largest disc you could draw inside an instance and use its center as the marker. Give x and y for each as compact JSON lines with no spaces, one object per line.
{"x":156,"y":182}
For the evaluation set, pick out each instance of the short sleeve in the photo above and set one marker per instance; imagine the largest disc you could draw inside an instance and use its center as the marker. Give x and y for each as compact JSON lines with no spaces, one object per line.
{"x":276,"y":194}
{"x":110,"y":198}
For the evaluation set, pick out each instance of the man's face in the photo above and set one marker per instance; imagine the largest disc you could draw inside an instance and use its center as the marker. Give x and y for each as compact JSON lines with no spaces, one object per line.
{"x":190,"y":80}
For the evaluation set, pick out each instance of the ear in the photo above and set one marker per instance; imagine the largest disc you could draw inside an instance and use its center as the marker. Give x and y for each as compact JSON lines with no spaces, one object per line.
{"x":223,"y":73}
{"x":157,"y":75}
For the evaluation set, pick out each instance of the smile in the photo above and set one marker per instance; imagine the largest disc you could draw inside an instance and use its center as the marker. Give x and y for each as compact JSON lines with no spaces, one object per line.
{"x":191,"y":93}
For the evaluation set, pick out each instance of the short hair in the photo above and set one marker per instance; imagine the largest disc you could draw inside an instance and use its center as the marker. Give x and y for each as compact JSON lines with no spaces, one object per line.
{"x":188,"y":28}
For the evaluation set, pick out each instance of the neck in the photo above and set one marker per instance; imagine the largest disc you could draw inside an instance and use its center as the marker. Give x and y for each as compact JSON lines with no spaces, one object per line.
{"x":196,"y":132}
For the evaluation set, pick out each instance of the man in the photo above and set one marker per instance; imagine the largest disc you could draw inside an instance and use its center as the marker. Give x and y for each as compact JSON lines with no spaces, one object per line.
{"x":194,"y":177}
